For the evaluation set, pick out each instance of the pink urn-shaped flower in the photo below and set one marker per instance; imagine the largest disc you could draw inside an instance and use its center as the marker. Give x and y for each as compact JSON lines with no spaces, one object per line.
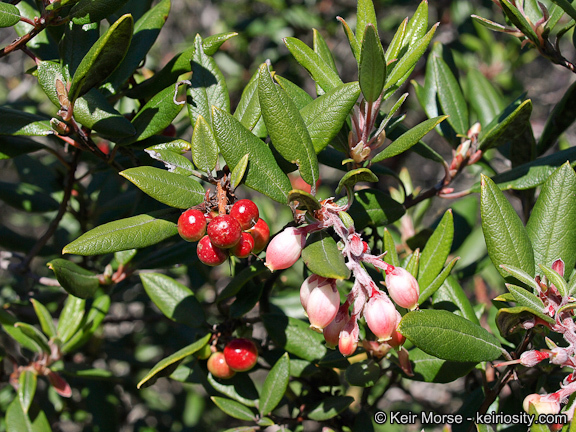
{"x":381,"y":317}
{"x":285,"y":249}
{"x":349,"y":337}
{"x":544,"y":404}
{"x":402,"y":287}
{"x":322,"y":302}
{"x":332,"y":331}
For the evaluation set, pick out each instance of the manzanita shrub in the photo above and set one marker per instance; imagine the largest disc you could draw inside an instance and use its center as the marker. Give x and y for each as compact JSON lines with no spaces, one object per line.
{"x":173,"y":260}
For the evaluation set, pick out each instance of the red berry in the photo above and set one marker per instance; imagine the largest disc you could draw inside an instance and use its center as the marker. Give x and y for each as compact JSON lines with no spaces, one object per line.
{"x":192,"y":225}
{"x":241,"y":354}
{"x":218,"y":367}
{"x":261,"y":234}
{"x":244,"y":247}
{"x":210,"y":254}
{"x":224,"y":231}
{"x":246,"y":213}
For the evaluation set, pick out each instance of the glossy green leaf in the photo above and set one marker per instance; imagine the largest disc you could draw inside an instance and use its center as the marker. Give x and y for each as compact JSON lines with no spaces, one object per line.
{"x":34,"y":334}
{"x":93,"y":111}
{"x":43,"y":44}
{"x":27,"y":197}
{"x":155,"y":116}
{"x":325,"y":116}
{"x":173,"y":161}
{"x":15,"y":122}
{"x":169,"y":188}
{"x":523,"y":297}
{"x":167,"y":365}
{"x":233,"y":408}
{"x":374,"y":207}
{"x":74,"y":279}
{"x":26,"y":389}
{"x":321,"y":48}
{"x":436,"y":251}
{"x":13,"y":146}
{"x":321,"y":72}
{"x":305,"y":200}
{"x":131,"y":233}
{"x":174,"y":300}
{"x":552,"y":224}
{"x":506,"y":127}
{"x":75,"y":44}
{"x":294,"y":336}
{"x":103,"y":58}
{"x":248,"y":111}
{"x":354,"y":45}
{"x":390,"y":114}
{"x":208,"y":87}
{"x":242,"y":278}
{"x":560,"y":119}
{"x":286,"y":127}
{"x":416,"y":27}
{"x":433,"y":369}
{"x":57,"y":4}
{"x":450,"y":96}
{"x":506,"y":238}
{"x":329,"y":407}
{"x":397,"y":42}
{"x":92,"y":11}
{"x":428,"y":290}
{"x":7,"y":320}
{"x":178,"y":146}
{"x":204,"y":146}
{"x":16,"y":419}
{"x":372,"y":66}
{"x":238,"y":172}
{"x":246,"y":299}
{"x":389,"y":247}
{"x":518,"y":19}
{"x":322,"y":256}
{"x":9,"y":15}
{"x":124,"y":257}
{"x":71,"y":317}
{"x":146,"y":30}
{"x":298,"y":95}
{"x":487,"y":101}
{"x":275,"y":385}
{"x":521,"y":275}
{"x":45,"y":319}
{"x":469,"y":342}
{"x":509,"y":320}
{"x":94,"y":318}
{"x":363,"y":374}
{"x":365,"y":16}
{"x":554,"y":278}
{"x":356,"y":176}
{"x":408,"y":139}
{"x":240,"y":388}
{"x":406,"y":64}
{"x":235,"y":141}
{"x":450,"y":296}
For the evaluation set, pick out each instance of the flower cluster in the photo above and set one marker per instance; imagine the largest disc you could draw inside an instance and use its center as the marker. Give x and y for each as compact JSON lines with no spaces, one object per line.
{"x":321,"y":300}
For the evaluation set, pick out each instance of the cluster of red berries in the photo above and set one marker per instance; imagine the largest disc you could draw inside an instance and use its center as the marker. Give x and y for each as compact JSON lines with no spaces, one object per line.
{"x":240,"y":355}
{"x":240,"y":233}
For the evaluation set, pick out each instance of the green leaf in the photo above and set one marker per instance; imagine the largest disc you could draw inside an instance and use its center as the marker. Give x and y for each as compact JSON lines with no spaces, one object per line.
{"x":9,"y":15}
{"x":103,"y":58}
{"x":234,"y":409}
{"x":389,"y":247}
{"x":26,"y":389}
{"x":242,"y":278}
{"x":238,"y":172}
{"x":155,"y":116}
{"x":167,"y":365}
{"x":356,"y":176}
{"x":365,"y":16}
{"x":436,"y":251}
{"x":329,"y":407}
{"x":240,"y":388}
{"x":374,"y":207}
{"x":16,"y":419}
{"x":509,"y":320}
{"x":93,"y":11}
{"x":416,"y":28}
{"x":372,"y":66}
{"x":248,"y":111}
{"x":95,"y":316}
{"x":552,"y":224}
{"x":518,"y":19}
{"x":363,"y":374}
{"x":560,"y":119}
{"x":321,"y":48}
{"x":7,"y":320}
{"x":506,"y":238}
{"x":521,"y":275}
{"x":294,"y":336}
{"x":434,"y":285}
{"x":554,"y":278}
{"x":397,"y":42}
{"x":408,"y":139}
{"x":74,"y":279}
{"x":27,"y":197}
{"x":286,"y":127}
{"x":235,"y":141}
{"x":298,"y":95}
{"x":204,"y":146}
{"x":174,"y":300}
{"x":34,"y":334}
{"x":71,"y":317}
{"x":406,"y":64}
{"x":432,"y":369}
{"x":246,"y":299}
{"x":450,"y":96}
{"x":321,"y":72}
{"x":305,"y":200}
{"x":506,"y":127}
{"x":322,"y":256}
{"x":131,"y":233}
{"x":95,"y":112}
{"x":486,"y":101}
{"x":173,"y":161}
{"x":208,"y":87}
{"x":566,"y":7}
{"x":146,"y":31}
{"x":450,"y":295}
{"x":275,"y":385}
{"x":430,"y":330}
{"x":13,"y":146}
{"x":15,"y":122}
{"x":523,"y":297}
{"x":354,"y":45}
{"x":325,"y":115}
{"x":169,"y":188}
{"x":45,"y":319}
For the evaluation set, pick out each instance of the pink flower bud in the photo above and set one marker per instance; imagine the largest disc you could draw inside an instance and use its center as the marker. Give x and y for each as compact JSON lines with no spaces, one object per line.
{"x":542,"y":403}
{"x":322,"y":303}
{"x":376,"y":349}
{"x":558,"y":267}
{"x":532,"y":358}
{"x":380,"y":315}
{"x":332,"y":331}
{"x":349,"y":337}
{"x":285,"y":249}
{"x":402,"y":287}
